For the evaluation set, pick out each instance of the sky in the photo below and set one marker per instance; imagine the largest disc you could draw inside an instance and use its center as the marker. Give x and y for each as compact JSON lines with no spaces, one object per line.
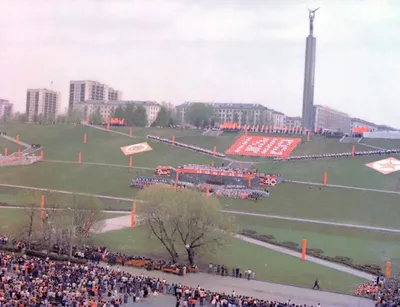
{"x":249,"y":51}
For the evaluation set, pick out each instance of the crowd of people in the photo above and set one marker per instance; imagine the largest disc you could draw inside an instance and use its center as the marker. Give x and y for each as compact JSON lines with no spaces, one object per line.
{"x":186,"y":146}
{"x":342,"y":155}
{"x":384,"y":291}
{"x":33,"y":281}
{"x":240,"y":193}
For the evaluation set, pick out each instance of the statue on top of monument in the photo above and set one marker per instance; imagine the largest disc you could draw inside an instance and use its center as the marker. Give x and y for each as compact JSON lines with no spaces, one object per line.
{"x":311,"y":16}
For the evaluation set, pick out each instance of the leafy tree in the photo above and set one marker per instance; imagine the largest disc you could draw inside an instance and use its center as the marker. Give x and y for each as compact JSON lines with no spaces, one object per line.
{"x":140,"y":116}
{"x":199,"y":114}
{"x":61,"y":119}
{"x":163,"y":118}
{"x":128,"y":115}
{"x":184,"y":220}
{"x":119,"y":113}
{"x":74,"y":117}
{"x":22,"y":118}
{"x":96,"y":117}
{"x":41,"y":119}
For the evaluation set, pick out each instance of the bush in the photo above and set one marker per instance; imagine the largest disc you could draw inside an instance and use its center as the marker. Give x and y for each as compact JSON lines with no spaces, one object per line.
{"x":9,"y":248}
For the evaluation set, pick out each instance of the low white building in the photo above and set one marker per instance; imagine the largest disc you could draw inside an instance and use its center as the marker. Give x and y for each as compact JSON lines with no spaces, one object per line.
{"x":108,"y":107}
{"x":278,"y":118}
{"x":293,"y":122}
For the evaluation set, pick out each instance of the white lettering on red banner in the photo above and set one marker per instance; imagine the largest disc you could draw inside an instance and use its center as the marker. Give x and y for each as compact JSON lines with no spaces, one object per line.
{"x":263,"y":146}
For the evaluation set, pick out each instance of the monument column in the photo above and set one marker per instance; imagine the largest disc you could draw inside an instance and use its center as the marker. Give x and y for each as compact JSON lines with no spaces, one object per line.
{"x":309,"y":76}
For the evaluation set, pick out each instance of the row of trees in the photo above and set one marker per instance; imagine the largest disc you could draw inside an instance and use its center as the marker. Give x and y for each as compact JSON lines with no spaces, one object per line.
{"x":67,"y":222}
{"x":184,"y":221}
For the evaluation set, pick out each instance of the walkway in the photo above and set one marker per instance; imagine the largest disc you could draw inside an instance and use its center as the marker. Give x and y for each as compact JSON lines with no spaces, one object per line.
{"x":259,"y":289}
{"x":124,"y":222}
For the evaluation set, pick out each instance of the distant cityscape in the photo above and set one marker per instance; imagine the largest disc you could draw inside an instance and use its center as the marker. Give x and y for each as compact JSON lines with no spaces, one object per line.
{"x":87,"y":97}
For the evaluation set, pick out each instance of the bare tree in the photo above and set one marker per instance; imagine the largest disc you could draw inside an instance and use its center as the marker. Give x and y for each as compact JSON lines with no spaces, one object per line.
{"x":31,"y":211}
{"x":156,"y":216}
{"x":184,"y":220}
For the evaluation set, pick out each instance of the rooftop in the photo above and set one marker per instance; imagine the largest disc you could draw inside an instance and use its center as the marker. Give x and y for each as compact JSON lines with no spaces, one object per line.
{"x":227,"y":105}
{"x":120,"y":102}
{"x":332,"y":110}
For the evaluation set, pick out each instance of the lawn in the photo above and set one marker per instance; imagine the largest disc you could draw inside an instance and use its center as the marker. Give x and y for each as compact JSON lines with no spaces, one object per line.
{"x":389,"y":144}
{"x":11,"y":147}
{"x":346,"y":171}
{"x":267,"y":264}
{"x":363,"y":246}
{"x":64,"y":142}
{"x":10,"y":218}
{"x":294,"y":200}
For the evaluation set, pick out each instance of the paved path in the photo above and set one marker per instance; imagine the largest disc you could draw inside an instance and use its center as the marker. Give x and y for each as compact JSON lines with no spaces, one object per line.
{"x":301,"y":220}
{"x":124,"y":222}
{"x":113,"y":131}
{"x":259,"y":289}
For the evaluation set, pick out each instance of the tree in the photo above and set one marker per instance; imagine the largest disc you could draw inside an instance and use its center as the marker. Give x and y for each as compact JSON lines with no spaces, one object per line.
{"x":73,"y":117}
{"x":41,"y":119}
{"x":30,"y":211}
{"x":119,"y":113}
{"x":163,"y":118}
{"x":140,"y":116}
{"x":61,"y":119}
{"x":199,"y":114}
{"x":128,"y":115}
{"x":184,"y":220}
{"x":22,"y":118}
{"x":96,"y":117}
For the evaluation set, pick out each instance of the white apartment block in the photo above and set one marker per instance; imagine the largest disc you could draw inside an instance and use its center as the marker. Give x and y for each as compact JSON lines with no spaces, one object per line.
{"x":84,"y":90}
{"x":330,"y":119}
{"x":108,"y":107}
{"x":42,"y":102}
{"x":278,"y":119}
{"x":6,"y":109}
{"x":293,"y":122}
{"x":243,"y":113}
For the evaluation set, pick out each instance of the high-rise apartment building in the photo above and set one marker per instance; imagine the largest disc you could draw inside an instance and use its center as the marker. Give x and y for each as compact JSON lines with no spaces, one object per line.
{"x":42,"y":102}
{"x":6,"y":109}
{"x":80,"y":91}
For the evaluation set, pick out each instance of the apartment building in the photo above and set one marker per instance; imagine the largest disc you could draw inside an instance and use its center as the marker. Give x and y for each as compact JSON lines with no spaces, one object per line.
{"x":278,"y":118}
{"x":6,"y":109}
{"x":360,"y":123}
{"x":108,"y":107}
{"x":244,"y":113}
{"x":292,"y":122}
{"x":88,"y":90}
{"x":42,"y":102}
{"x":331,"y":119}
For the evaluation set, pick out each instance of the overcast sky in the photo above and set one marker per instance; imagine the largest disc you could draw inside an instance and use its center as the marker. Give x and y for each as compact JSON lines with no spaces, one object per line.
{"x":207,"y":50}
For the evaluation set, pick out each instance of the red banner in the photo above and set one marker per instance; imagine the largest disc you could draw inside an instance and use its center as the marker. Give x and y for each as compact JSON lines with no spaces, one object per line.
{"x":163,"y":171}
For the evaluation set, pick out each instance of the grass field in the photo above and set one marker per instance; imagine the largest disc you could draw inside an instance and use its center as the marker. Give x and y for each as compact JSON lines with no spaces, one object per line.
{"x":11,"y":147}
{"x":389,"y":144}
{"x":295,"y":200}
{"x":366,"y":246}
{"x":10,"y":218}
{"x":267,"y":264}
{"x":63,"y":142}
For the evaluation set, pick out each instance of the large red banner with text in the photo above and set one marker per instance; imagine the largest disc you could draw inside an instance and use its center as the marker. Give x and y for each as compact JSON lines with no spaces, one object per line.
{"x":263,"y":146}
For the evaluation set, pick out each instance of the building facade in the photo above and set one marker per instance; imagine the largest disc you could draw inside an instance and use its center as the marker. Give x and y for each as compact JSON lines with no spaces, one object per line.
{"x":330,"y":119}
{"x":107,"y":108}
{"x":359,"y":123}
{"x":6,"y":109}
{"x":278,"y":119}
{"x":243,"y":113}
{"x":87,"y":90}
{"x":293,"y":122}
{"x":42,"y":102}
